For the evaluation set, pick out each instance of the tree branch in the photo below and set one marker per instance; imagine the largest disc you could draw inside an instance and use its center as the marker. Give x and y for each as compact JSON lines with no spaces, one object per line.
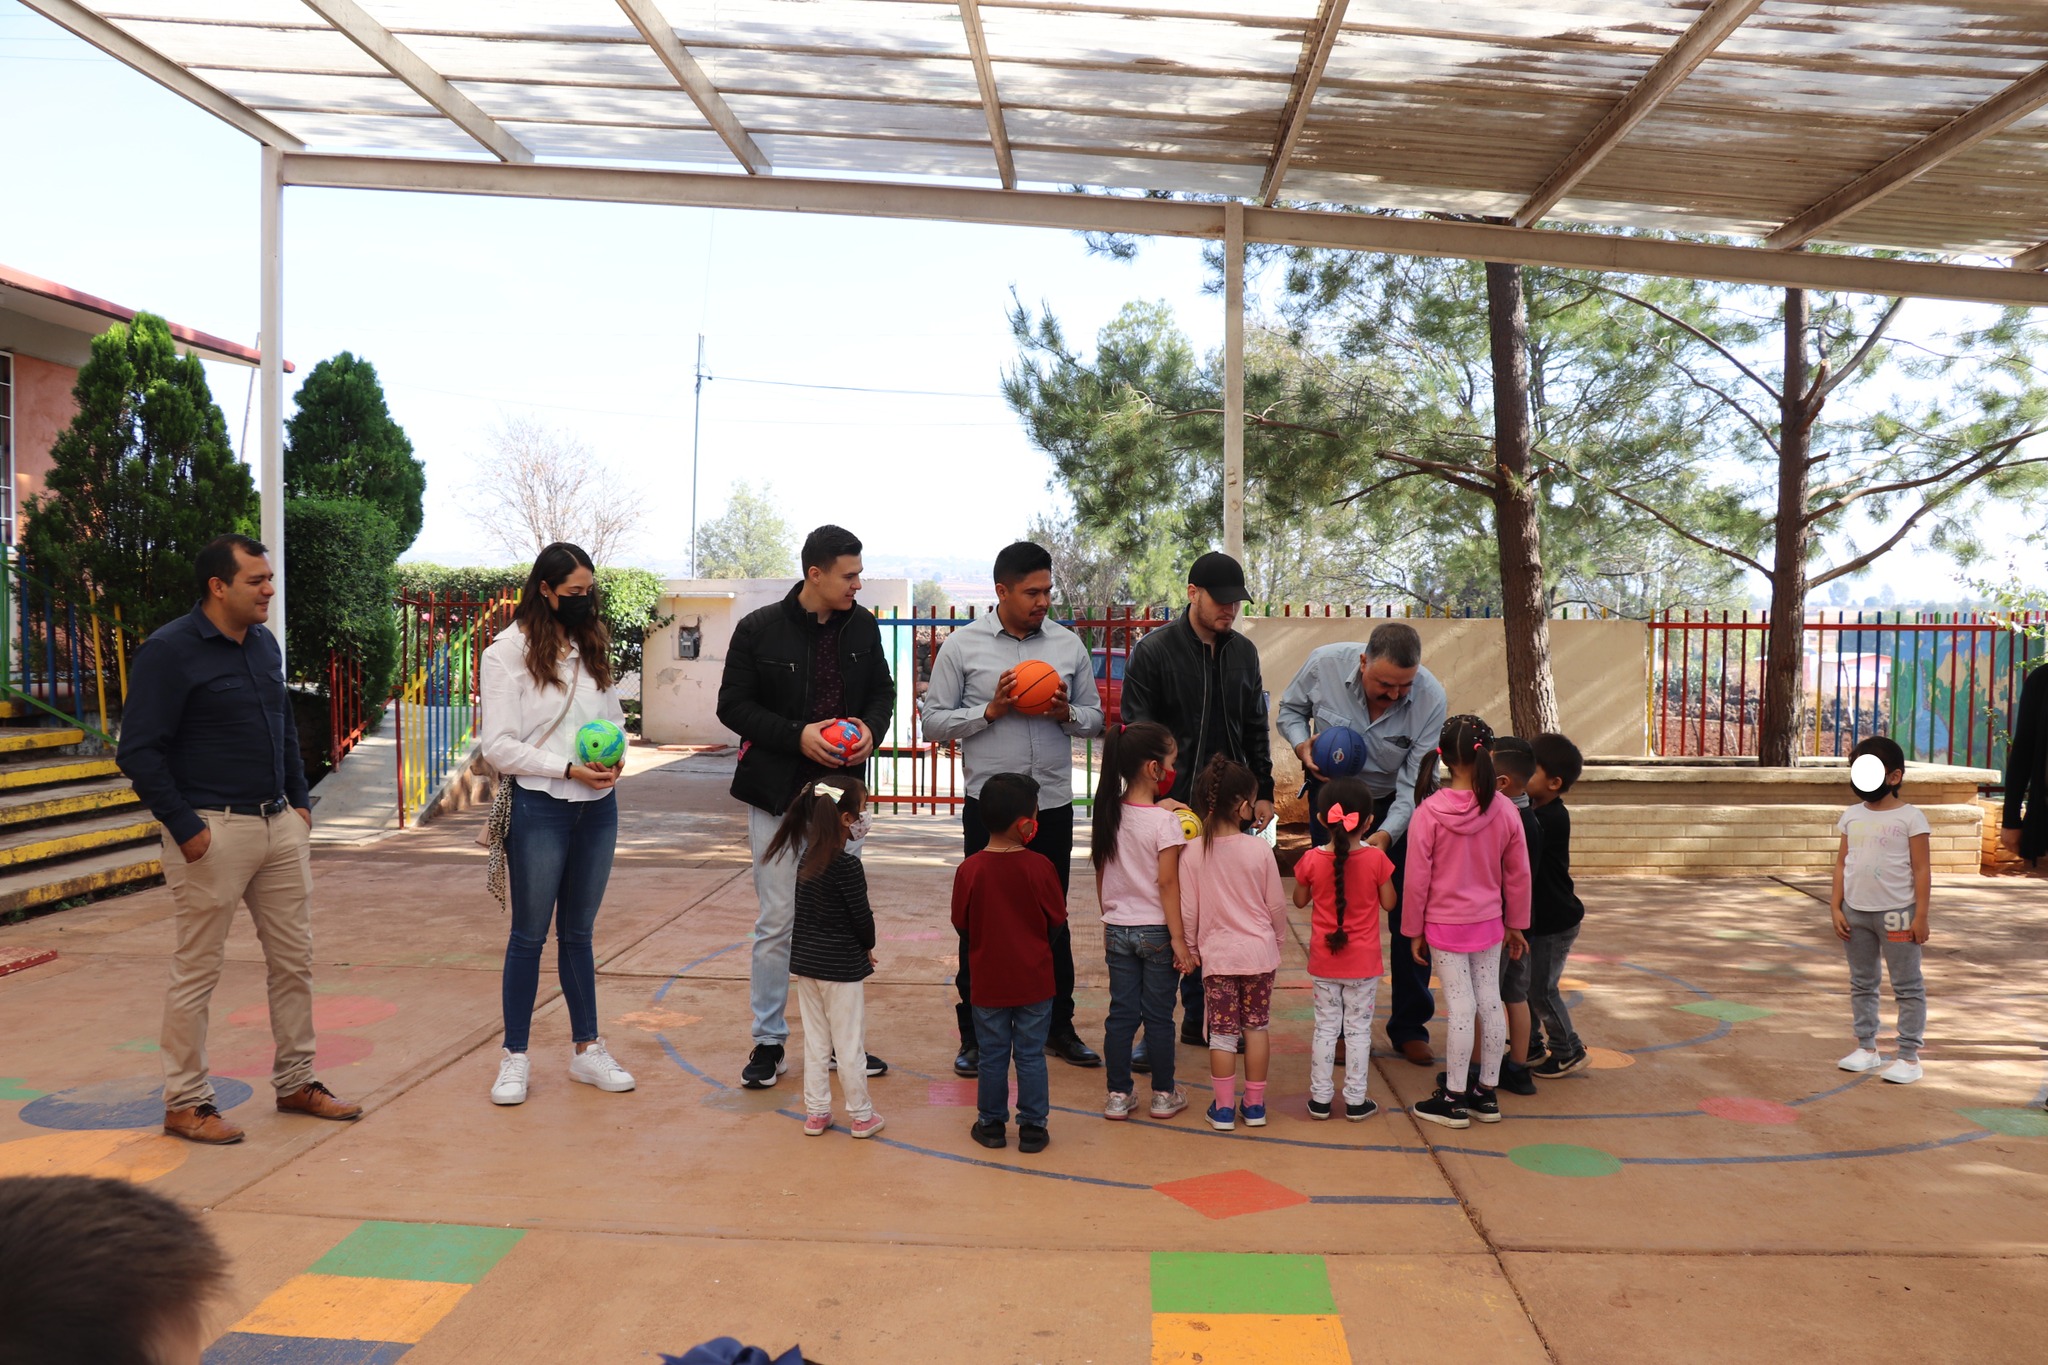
{"x":1372,"y":488}
{"x":1682,"y":324}
{"x":1864,"y":561}
{"x":1763,"y":428}
{"x":1993,"y":457}
{"x":1257,"y":420}
{"x":1821,"y":390}
{"x":1661,"y":518}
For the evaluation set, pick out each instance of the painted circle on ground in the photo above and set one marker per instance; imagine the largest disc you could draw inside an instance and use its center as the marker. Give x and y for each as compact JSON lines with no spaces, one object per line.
{"x":1565,"y":1159}
{"x":329,"y":1011}
{"x":1607,"y":1059}
{"x":335,"y":1050}
{"x":2009,"y":1122}
{"x":1743,"y":1109}
{"x":134,"y":1102}
{"x":121,"y":1155}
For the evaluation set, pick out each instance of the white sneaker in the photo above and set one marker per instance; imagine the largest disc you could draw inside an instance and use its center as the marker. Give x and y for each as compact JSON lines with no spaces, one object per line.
{"x":1902,"y":1072}
{"x":511,"y":1084}
{"x":1862,"y":1059}
{"x":595,"y":1066}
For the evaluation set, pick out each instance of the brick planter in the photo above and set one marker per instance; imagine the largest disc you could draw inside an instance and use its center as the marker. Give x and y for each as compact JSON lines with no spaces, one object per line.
{"x":1730,"y":818}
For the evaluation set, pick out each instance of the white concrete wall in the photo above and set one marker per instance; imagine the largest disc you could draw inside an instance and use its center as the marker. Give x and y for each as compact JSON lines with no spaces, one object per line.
{"x":679,"y":697}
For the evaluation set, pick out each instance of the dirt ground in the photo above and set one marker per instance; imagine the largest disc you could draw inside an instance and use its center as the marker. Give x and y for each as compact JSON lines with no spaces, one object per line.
{"x":1714,"y":1190}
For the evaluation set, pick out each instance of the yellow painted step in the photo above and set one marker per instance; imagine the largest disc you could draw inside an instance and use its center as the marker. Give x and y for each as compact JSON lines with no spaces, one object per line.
{"x":79,"y":836}
{"x":104,"y":794}
{"x":41,"y":772}
{"x":27,"y":888}
{"x":28,"y":741}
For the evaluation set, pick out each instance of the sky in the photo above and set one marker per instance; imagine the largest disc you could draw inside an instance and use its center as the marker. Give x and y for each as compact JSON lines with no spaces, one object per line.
{"x":886,"y":340}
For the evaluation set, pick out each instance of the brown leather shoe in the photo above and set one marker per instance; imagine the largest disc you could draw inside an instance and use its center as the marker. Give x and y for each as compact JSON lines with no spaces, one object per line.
{"x":201,"y":1123}
{"x":1417,"y":1051}
{"x":317,"y":1100}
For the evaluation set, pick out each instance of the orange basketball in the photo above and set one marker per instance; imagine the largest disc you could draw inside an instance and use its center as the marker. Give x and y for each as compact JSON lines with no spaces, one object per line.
{"x":1037,"y":683}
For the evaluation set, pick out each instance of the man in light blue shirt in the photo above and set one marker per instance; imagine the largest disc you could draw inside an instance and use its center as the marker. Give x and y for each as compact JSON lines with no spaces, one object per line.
{"x":1381,"y":690}
{"x":970,"y":700}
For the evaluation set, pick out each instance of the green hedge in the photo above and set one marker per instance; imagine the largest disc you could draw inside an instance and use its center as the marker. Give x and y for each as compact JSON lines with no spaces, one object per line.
{"x":338,"y":555}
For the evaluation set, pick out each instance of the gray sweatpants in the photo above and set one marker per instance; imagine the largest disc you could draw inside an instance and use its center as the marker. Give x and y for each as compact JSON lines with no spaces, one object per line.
{"x":1868,"y":939}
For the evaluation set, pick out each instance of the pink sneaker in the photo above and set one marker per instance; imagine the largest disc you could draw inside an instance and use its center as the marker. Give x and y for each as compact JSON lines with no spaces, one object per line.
{"x":869,"y":1126}
{"x":817,"y":1125}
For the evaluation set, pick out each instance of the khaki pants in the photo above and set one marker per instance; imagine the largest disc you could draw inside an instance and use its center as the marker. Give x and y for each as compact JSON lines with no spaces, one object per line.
{"x":266,"y":863}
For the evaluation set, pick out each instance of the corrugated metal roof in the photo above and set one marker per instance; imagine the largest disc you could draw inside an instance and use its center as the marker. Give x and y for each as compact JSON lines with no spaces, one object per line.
{"x":1462,"y":106}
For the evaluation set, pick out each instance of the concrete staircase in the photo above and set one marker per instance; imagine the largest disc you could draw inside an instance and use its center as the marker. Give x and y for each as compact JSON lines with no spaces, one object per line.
{"x":70,"y":824}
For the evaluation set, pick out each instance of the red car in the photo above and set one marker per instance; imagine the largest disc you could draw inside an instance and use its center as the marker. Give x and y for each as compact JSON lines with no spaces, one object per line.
{"x":1109,"y":681}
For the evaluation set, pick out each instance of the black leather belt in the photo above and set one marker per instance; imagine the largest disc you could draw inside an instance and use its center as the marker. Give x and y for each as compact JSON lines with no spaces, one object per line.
{"x":264,"y":811}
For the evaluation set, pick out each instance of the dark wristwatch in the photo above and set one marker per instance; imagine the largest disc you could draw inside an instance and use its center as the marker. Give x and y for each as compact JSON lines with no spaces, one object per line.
{"x":568,"y":772}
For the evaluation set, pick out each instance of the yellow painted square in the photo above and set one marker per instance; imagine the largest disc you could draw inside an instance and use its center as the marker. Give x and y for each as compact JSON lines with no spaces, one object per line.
{"x":345,"y":1307}
{"x":1248,"y":1339}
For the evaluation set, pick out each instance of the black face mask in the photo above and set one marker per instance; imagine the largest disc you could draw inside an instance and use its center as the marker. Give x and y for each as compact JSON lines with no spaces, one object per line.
{"x":575,"y":612}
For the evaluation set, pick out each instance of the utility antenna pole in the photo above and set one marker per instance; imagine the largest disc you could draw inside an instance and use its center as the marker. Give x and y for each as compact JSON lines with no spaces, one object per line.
{"x":696,"y":430}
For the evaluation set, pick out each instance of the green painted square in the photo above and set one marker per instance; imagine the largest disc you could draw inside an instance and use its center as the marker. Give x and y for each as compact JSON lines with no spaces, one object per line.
{"x":443,"y":1253}
{"x":138,"y":1045}
{"x":1218,"y":1282}
{"x":1727,"y":1010}
{"x":12,"y":1088}
{"x":2009,"y":1122}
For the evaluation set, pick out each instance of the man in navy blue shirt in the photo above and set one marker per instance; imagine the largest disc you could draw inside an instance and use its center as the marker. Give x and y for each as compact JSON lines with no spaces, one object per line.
{"x":207,"y":738}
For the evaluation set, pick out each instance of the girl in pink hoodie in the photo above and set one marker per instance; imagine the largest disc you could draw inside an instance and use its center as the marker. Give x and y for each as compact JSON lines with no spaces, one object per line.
{"x":1235,"y":914}
{"x":1467,"y":895}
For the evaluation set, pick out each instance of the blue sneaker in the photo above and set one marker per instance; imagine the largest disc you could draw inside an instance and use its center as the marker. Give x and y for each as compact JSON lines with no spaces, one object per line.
{"x":1254,"y":1115}
{"x":1222,"y":1120}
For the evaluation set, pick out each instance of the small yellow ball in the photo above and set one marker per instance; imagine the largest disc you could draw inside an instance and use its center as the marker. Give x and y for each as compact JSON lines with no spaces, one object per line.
{"x":1190,"y":825}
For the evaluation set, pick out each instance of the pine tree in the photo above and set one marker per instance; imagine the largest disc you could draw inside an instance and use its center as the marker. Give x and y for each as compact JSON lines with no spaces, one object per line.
{"x":342,"y":443}
{"x":141,"y":479}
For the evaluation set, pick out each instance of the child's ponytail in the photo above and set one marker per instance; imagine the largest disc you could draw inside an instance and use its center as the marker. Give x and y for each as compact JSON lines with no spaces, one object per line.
{"x":1219,"y":787}
{"x":1350,"y":805}
{"x":1466,"y":741}
{"x":812,"y":823}
{"x":1125,"y":749}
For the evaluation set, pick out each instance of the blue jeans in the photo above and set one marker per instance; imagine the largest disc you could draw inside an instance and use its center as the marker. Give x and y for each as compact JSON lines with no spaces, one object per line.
{"x":559,"y":855}
{"x":1000,"y":1031}
{"x":1550,"y":1023}
{"x":1142,"y":984}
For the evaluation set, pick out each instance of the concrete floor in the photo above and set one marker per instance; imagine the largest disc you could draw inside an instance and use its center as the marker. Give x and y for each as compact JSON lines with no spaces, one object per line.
{"x":1715,"y":1191}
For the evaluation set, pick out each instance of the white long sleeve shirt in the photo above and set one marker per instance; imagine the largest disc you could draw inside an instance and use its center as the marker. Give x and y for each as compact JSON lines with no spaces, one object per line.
{"x":516,"y":713}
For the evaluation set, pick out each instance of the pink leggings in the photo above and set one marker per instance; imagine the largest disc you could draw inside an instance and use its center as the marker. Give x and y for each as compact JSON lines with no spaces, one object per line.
{"x":1471,"y":981}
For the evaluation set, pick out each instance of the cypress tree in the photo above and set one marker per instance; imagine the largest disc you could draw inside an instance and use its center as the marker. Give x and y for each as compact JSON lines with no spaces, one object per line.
{"x":342,"y":443}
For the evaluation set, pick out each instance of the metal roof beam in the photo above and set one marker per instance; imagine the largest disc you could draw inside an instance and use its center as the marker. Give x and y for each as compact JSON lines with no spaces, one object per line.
{"x":1695,"y":45}
{"x":430,"y":85}
{"x":1181,"y":218}
{"x":661,"y":36}
{"x":1317,"y":43}
{"x":1960,"y":134}
{"x":119,"y":45}
{"x":985,"y":76}
{"x":2037,"y":259}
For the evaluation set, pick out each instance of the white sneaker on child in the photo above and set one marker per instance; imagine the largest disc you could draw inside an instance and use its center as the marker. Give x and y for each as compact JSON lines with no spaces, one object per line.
{"x":596,"y":1066}
{"x":1904,"y":1071}
{"x":1862,"y":1059}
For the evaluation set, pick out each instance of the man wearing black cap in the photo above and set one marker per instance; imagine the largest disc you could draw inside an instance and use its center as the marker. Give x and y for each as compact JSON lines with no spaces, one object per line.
{"x":1200,"y":679}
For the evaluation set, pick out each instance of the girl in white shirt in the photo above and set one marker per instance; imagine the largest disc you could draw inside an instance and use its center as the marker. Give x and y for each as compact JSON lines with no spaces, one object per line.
{"x":547,"y":675}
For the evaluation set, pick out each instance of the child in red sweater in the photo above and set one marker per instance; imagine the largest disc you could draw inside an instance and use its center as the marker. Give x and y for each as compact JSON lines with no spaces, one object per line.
{"x":1006,"y":903}
{"x":1467,"y":896}
{"x":1350,"y":883}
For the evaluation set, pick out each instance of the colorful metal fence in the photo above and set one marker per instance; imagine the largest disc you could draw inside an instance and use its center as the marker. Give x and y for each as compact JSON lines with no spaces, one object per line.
{"x":442,"y":641}
{"x":63,"y":655}
{"x":1945,"y":685}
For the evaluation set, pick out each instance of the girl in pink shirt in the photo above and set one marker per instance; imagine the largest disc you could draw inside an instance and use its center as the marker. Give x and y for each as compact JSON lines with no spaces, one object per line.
{"x":1467,"y":895}
{"x":1235,"y":914}
{"x":1350,"y":883}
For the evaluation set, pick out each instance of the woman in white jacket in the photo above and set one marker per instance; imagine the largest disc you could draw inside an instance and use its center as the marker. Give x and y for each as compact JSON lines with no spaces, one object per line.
{"x":547,"y":675}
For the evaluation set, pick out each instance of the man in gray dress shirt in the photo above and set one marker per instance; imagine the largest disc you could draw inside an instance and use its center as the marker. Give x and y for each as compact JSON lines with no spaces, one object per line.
{"x":970,"y":700}
{"x":1381,"y":690}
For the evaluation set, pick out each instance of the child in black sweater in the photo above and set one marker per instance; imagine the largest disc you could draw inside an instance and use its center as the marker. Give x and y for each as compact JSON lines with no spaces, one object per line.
{"x":1555,"y":911}
{"x":832,"y":950}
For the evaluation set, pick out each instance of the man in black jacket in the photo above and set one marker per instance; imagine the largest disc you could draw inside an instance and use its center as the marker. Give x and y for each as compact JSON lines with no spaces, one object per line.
{"x":1200,"y":679}
{"x":793,"y":668}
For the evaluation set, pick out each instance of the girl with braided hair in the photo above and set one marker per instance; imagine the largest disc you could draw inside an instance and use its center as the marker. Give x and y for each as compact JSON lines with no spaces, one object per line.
{"x":1350,"y":882}
{"x":1235,"y":912}
{"x":1467,"y":898}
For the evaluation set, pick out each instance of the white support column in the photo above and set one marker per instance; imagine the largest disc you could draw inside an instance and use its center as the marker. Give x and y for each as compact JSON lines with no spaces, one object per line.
{"x":270,"y":342}
{"x":1233,"y":380}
